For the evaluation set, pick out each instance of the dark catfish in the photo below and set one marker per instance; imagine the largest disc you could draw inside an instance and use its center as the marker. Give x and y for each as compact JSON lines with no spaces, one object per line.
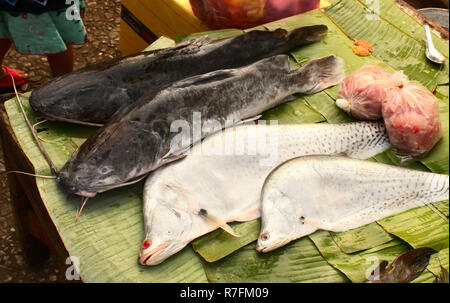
{"x":93,"y":94}
{"x":142,"y":138}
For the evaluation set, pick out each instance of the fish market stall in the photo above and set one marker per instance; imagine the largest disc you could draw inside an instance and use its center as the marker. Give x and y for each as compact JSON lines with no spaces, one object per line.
{"x":107,"y":238}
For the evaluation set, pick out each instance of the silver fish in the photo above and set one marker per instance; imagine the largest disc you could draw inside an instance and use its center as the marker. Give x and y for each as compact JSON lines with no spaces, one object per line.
{"x":337,"y":194}
{"x":140,"y":139}
{"x":208,"y":188}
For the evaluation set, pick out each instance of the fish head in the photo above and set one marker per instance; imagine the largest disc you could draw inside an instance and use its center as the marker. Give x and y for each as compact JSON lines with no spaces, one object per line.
{"x":117,"y":155}
{"x":280,"y":223}
{"x":80,"y":96}
{"x":167,"y":230}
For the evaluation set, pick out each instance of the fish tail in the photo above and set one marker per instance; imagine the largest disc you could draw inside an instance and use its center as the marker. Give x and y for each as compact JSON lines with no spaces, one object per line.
{"x":306,"y":35}
{"x":318,"y":74}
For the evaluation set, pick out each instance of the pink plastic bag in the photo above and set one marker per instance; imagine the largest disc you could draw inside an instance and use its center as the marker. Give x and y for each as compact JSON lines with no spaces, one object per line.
{"x":411,"y":115}
{"x":217,"y":14}
{"x":362,"y":93}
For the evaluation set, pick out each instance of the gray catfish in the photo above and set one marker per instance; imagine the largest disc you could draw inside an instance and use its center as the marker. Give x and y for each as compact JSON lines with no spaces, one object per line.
{"x":216,"y":184}
{"x":93,"y":94}
{"x":142,"y":138}
{"x":337,"y":194}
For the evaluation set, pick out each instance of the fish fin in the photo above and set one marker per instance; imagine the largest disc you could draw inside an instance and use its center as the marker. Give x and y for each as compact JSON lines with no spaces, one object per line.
{"x":194,"y":42}
{"x":215,"y":221}
{"x":306,"y":35}
{"x":247,"y":120}
{"x":179,"y":189}
{"x":252,"y":214}
{"x":170,"y":157}
{"x":319,"y":74}
{"x":315,"y":223}
{"x":289,"y":98}
{"x":205,"y":78}
{"x":275,"y":63}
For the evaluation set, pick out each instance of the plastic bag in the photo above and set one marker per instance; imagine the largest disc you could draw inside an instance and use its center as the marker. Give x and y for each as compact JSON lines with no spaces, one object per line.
{"x":362,"y":93}
{"x":218,"y":14}
{"x":411,"y":115}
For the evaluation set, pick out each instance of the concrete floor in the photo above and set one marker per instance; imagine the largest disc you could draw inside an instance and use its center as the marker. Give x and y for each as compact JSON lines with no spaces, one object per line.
{"x":102,"y":21}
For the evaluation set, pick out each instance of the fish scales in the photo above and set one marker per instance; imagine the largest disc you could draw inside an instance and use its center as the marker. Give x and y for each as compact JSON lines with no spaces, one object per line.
{"x":95,"y":93}
{"x":141,"y":139}
{"x":229,"y":185}
{"x":338,"y":194}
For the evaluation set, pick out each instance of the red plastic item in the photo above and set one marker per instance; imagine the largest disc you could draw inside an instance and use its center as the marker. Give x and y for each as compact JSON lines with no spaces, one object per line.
{"x":411,"y":115}
{"x":7,"y":81}
{"x":218,"y":14}
{"x":362,"y":93}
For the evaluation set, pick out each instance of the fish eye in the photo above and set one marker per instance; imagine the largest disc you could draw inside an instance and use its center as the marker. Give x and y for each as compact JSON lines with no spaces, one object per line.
{"x":146,"y":244}
{"x":265,"y":237}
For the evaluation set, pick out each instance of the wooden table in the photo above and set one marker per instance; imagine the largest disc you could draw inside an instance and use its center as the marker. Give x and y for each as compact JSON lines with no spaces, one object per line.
{"x":37,"y":233}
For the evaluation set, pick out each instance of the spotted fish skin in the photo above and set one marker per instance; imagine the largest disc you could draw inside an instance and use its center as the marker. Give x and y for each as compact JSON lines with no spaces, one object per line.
{"x":95,"y":93}
{"x":139,"y":140}
{"x":337,"y":194}
{"x":229,"y":186}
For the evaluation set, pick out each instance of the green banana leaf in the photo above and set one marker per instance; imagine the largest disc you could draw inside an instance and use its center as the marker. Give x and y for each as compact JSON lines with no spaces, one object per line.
{"x":356,"y":266}
{"x":442,"y":90}
{"x":161,"y":43}
{"x":219,"y":243}
{"x":393,"y":14}
{"x":325,"y":105}
{"x":360,"y":239}
{"x":107,"y":237}
{"x":390,"y":43}
{"x":296,"y":262}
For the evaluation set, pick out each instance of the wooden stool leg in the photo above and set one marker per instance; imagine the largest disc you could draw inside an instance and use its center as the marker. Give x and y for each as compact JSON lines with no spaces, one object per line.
{"x":34,"y":249}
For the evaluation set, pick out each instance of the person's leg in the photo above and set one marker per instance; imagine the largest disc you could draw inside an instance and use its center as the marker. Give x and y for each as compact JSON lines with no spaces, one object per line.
{"x":61,"y":63}
{"x":5,"y":45}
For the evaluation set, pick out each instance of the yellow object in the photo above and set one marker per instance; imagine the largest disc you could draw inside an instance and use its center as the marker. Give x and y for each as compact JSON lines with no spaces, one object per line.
{"x":130,"y":41}
{"x":163,"y":18}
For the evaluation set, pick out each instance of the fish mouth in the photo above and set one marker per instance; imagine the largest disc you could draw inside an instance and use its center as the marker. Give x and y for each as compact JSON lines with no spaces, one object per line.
{"x":147,"y":258}
{"x":272,"y":246}
{"x":264,"y":249}
{"x":94,"y":190}
{"x":87,"y":194}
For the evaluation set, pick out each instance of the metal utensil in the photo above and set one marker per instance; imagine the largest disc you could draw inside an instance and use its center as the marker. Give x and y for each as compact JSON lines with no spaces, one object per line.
{"x":437,"y":15}
{"x":431,"y":52}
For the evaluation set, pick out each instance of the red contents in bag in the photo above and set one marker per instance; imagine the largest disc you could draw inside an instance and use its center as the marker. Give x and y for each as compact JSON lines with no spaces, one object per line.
{"x":362,"y":93}
{"x":411,"y":115}
{"x":217,"y":14}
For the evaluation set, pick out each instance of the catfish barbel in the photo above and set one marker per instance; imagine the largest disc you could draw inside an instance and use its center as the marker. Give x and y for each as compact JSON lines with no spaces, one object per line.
{"x":93,"y":94}
{"x":139,"y":140}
